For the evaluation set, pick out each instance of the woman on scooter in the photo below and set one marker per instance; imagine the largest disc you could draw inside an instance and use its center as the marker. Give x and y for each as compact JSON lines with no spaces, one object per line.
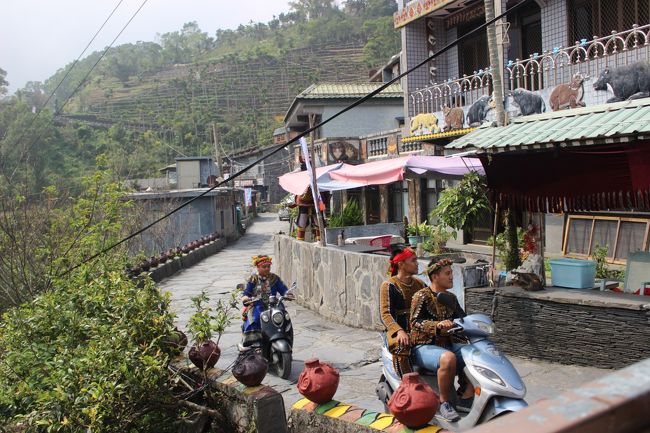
{"x":394,"y":301}
{"x":433,"y":347}
{"x":261,"y":284}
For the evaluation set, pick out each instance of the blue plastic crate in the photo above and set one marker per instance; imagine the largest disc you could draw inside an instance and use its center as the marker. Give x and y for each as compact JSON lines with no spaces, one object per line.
{"x":573,"y":273}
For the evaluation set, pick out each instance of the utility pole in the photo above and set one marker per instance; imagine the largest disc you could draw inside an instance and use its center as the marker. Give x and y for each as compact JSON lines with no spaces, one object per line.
{"x":312,"y":156}
{"x":496,"y":60}
{"x":217,"y":151}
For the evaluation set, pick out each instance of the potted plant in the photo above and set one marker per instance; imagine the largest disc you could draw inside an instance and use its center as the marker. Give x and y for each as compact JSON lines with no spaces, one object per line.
{"x":437,"y":239}
{"x":412,"y":233}
{"x":205,"y":324}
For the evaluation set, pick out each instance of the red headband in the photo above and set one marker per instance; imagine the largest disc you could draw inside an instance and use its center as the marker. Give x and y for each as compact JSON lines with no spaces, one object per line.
{"x":407,"y":253}
{"x":402,"y":256}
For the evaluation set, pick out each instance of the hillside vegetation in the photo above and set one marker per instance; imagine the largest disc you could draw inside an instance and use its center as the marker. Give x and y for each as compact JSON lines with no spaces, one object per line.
{"x":149,"y":102}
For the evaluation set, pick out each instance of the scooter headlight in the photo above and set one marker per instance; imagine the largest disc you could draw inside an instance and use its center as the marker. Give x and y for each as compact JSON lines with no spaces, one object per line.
{"x":488,"y":328}
{"x":277,"y":318}
{"x":265,"y":317}
{"x":489,"y":374}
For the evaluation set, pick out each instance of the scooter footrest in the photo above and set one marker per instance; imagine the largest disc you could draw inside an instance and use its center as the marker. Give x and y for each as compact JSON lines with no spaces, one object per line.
{"x":423,"y":371}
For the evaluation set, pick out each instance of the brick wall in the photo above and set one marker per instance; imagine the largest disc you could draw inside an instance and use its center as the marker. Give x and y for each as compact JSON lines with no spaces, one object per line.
{"x":565,"y":333}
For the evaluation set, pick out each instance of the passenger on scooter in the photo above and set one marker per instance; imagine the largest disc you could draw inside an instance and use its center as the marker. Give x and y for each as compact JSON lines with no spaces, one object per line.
{"x":433,"y":348}
{"x":394,"y":304}
{"x":262,"y":284}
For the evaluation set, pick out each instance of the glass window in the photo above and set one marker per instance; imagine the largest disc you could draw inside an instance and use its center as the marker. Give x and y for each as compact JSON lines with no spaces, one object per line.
{"x":630,"y":238}
{"x":604,"y":236}
{"x":579,"y":234}
{"x":620,"y":235}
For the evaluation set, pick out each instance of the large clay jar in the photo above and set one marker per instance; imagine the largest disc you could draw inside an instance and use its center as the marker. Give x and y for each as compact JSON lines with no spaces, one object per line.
{"x":205,"y":355}
{"x":414,"y":403}
{"x":318,"y":381}
{"x":250,"y":369}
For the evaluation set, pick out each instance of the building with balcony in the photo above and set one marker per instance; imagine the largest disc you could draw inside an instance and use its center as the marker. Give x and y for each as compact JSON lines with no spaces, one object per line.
{"x":555,"y":54}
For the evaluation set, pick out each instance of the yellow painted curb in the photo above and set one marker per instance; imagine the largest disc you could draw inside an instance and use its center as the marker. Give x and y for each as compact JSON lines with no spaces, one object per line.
{"x":337,"y":411}
{"x":301,"y":403}
{"x":383,"y":421}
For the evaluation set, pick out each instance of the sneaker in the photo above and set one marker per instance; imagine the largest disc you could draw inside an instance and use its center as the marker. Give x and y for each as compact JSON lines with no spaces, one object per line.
{"x":448,"y":412}
{"x":465,"y":404}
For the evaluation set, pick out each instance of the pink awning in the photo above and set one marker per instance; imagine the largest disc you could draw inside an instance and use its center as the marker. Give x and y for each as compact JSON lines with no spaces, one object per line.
{"x":392,"y":170}
{"x":297,"y":182}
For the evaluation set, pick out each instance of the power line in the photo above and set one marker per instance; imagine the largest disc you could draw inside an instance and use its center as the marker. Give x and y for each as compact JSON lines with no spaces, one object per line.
{"x":80,"y":83}
{"x":302,"y":134}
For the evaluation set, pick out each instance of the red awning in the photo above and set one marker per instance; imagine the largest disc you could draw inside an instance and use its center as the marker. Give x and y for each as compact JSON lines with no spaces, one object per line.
{"x":572,"y":179}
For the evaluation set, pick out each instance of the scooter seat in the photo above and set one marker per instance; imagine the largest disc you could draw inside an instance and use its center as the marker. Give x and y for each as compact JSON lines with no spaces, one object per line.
{"x":423,"y":371}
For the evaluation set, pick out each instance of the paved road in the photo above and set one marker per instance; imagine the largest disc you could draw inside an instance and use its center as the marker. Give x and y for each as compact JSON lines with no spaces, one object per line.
{"x":355,"y":352}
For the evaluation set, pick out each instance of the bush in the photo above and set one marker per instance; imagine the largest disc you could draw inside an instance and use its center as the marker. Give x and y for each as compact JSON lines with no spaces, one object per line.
{"x":89,"y":355}
{"x":602,"y":270}
{"x":350,"y":216}
{"x":461,"y":206}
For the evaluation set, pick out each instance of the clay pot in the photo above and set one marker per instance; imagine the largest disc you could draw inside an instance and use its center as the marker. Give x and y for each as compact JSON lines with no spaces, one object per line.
{"x":206,"y":354}
{"x":145,"y":266}
{"x":164,"y":256}
{"x":186,"y":249}
{"x":414,"y":403}
{"x":177,"y":340}
{"x":250,"y":369}
{"x":318,"y":381}
{"x":153,"y":261}
{"x":136,"y":270}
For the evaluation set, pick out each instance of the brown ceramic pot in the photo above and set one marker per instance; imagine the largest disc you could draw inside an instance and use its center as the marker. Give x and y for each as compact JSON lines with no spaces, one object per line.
{"x":206,"y":354}
{"x":318,"y":381}
{"x":414,"y":403}
{"x":250,"y":369}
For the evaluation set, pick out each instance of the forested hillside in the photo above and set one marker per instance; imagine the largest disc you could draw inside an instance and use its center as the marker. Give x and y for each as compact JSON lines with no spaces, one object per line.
{"x":147,"y":102}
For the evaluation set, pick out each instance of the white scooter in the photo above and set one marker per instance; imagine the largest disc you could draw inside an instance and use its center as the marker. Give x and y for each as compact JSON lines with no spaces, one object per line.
{"x":499,"y":388}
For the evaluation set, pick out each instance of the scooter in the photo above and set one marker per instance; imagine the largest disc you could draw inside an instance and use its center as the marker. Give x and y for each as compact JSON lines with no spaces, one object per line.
{"x":277,"y":336}
{"x":498,"y":387}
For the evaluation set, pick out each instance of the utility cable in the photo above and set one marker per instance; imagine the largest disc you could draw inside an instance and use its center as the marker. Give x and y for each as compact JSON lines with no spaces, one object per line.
{"x":82,"y":82}
{"x":306,"y":132}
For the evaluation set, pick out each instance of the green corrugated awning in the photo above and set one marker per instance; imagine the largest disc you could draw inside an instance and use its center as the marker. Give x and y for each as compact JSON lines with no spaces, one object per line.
{"x":601,"y":124}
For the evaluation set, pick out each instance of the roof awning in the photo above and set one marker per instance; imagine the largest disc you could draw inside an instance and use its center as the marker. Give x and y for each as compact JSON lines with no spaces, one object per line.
{"x":392,"y":170}
{"x":297,"y":182}
{"x":618,"y":122}
{"x":344,"y":176}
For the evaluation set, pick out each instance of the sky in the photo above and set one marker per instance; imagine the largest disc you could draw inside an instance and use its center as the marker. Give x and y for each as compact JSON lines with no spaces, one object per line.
{"x":37,"y":37}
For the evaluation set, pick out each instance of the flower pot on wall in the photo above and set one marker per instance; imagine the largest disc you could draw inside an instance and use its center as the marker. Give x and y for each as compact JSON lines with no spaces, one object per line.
{"x":206,"y":354}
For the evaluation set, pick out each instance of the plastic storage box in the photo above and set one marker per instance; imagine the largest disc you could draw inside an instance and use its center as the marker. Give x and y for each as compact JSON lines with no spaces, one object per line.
{"x":573,"y":273}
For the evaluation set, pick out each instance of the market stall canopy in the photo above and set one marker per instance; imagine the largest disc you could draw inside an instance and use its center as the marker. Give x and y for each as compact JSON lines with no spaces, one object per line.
{"x":392,"y":170}
{"x":297,"y":182}
{"x":341,"y":176}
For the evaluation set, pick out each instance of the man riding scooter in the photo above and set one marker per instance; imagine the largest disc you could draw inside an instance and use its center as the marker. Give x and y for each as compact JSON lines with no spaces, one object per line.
{"x":262,"y":285}
{"x":433,"y":348}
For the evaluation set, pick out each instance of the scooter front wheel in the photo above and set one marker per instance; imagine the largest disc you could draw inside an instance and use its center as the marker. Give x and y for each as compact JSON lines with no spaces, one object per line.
{"x":282,"y":364}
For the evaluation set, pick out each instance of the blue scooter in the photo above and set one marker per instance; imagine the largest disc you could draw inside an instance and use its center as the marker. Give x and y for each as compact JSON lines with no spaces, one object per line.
{"x":500,"y":389}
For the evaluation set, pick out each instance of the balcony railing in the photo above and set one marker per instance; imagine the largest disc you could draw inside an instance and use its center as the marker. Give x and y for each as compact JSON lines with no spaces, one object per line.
{"x":539,"y":71}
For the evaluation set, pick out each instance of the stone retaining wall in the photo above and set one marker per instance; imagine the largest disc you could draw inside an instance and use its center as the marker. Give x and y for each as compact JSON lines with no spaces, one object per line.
{"x":172,"y":266}
{"x":339,"y":285}
{"x":597,"y":332}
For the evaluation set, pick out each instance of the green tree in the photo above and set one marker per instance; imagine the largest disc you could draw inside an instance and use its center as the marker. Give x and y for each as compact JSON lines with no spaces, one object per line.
{"x":461,"y":206}
{"x":3,"y":82}
{"x":383,"y":41}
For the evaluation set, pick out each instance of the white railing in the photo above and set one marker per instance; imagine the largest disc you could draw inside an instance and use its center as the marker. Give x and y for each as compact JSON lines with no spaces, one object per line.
{"x":540,"y":71}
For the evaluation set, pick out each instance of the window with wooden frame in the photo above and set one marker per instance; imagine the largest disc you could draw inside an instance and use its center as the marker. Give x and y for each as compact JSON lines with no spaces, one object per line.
{"x":621,"y":236}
